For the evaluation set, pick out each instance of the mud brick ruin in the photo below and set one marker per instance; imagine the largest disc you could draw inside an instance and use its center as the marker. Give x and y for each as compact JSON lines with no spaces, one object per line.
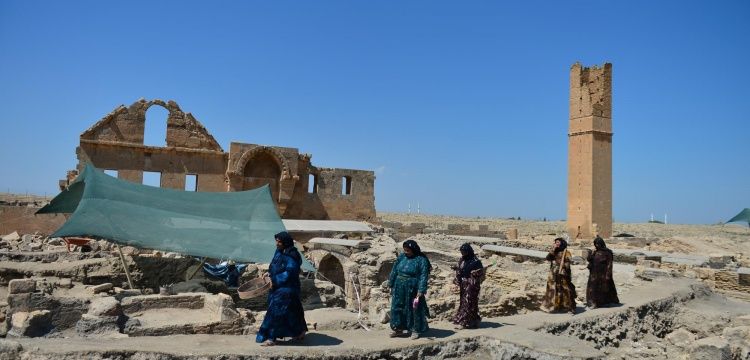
{"x":590,"y":152}
{"x":116,"y":143}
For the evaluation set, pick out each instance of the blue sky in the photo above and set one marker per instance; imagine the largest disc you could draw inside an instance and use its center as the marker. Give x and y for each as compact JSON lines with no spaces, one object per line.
{"x":460,"y":106}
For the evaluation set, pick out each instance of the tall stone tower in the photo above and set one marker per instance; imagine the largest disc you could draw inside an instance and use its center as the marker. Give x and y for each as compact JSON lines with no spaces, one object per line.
{"x":590,"y":152}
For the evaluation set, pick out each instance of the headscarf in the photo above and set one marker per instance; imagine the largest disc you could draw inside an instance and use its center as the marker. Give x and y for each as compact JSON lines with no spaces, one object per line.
{"x":468,"y":262}
{"x":599,"y":241}
{"x":288,"y":243}
{"x":414,"y":247}
{"x":466,"y":248}
{"x":563,"y":244}
{"x":285,"y":238}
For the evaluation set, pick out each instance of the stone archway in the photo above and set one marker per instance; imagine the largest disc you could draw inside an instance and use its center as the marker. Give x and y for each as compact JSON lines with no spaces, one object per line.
{"x":332,"y":269}
{"x":259,"y":166}
{"x":384,"y":272}
{"x":262,"y":169}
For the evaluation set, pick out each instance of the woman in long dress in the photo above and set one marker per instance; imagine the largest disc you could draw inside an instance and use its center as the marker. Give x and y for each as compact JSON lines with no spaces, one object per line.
{"x":600,"y":289}
{"x":408,"y":283}
{"x":469,"y":276}
{"x":561,"y":293}
{"x":285,"y":316}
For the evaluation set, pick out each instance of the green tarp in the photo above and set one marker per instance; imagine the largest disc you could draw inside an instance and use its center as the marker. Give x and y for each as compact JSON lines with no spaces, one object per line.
{"x":221,"y":225}
{"x":743,"y":216}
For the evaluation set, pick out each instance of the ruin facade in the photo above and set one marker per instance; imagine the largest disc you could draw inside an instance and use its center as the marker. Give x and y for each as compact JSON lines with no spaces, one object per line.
{"x":116,"y":143}
{"x":590,"y":152}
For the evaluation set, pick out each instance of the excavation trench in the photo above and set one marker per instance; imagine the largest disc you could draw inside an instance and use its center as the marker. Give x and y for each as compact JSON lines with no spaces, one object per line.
{"x":572,"y":338}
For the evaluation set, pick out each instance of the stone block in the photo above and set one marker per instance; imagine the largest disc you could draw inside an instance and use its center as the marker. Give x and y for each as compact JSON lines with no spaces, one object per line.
{"x":129,"y":250}
{"x":736,"y":335}
{"x":739,"y":341}
{"x":743,"y":320}
{"x":12,"y":236}
{"x":652,"y":274}
{"x":21,"y":286}
{"x":648,"y":263}
{"x":9,"y":350}
{"x":65,"y":283}
{"x":100,"y":288}
{"x":710,"y":348}
{"x":31,"y":324}
{"x":19,"y":302}
{"x":27,"y":238}
{"x":719,"y":261}
{"x":680,"y":338}
{"x":743,"y":276}
{"x":105,"y":306}
{"x":97,"y":325}
{"x":55,"y":241}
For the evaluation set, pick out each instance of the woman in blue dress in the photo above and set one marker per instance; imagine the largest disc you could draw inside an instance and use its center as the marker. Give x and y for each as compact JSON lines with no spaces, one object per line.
{"x":408,"y":283}
{"x":285,"y":316}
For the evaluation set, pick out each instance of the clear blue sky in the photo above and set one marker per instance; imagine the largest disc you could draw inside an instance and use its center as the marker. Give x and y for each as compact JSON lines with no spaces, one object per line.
{"x":461,"y":106}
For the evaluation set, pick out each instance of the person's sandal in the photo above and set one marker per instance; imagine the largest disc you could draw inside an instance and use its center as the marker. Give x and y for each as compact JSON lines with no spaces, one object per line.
{"x":394,"y":333}
{"x":414,"y":335}
{"x":268,"y":343}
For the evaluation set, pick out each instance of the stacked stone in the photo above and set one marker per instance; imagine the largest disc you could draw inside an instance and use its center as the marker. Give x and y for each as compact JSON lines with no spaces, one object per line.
{"x":26,"y":322}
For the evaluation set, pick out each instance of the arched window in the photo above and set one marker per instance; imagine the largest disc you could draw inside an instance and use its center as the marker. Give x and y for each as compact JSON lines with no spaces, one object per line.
{"x":155,"y":129}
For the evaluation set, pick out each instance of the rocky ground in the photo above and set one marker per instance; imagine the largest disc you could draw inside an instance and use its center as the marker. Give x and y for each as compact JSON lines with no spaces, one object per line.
{"x":680,"y":286}
{"x":729,"y":239}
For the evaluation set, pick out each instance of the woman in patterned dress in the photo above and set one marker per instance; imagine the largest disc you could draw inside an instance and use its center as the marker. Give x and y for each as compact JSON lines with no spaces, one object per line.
{"x":561,"y":293}
{"x":408,"y":283}
{"x":469,"y":276}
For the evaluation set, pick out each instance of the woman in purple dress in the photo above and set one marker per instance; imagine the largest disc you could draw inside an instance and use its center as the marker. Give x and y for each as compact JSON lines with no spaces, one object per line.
{"x":469,"y":276}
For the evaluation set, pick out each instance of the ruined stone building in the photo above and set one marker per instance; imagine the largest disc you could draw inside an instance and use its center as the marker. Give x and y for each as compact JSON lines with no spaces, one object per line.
{"x":300,"y":189}
{"x":590,"y":152}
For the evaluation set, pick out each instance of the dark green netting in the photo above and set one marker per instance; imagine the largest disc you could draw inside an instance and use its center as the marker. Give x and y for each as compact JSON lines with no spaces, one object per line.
{"x":222,"y":225}
{"x":743,"y":216}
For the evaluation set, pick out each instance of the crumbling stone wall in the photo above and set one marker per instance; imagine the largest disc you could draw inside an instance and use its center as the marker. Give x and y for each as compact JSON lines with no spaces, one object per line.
{"x":116,"y":143}
{"x":358,"y":203}
{"x":22,"y":220}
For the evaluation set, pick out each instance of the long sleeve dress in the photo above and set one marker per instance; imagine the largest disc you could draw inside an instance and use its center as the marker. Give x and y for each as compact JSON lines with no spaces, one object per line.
{"x":409,"y":277}
{"x":600,"y":289}
{"x":469,"y":275}
{"x":561,"y":293}
{"x":285,"y":316}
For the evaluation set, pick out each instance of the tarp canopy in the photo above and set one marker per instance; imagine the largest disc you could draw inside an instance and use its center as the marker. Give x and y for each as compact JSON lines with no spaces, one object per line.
{"x":744,"y":216}
{"x":222,"y":225}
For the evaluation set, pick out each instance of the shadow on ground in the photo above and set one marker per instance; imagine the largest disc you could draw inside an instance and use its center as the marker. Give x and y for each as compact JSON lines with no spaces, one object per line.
{"x":439,"y":333}
{"x":314,"y":339}
{"x":491,"y":325}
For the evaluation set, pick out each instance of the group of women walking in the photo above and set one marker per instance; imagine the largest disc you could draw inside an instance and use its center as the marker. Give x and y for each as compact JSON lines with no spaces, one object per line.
{"x":408,"y":284}
{"x":560,"y":295}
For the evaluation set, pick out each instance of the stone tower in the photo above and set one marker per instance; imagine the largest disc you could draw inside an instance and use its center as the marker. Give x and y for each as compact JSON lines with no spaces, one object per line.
{"x":590,"y":152}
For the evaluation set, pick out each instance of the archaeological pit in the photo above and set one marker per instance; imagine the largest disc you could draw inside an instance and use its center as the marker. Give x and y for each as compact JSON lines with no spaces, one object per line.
{"x":76,"y":304}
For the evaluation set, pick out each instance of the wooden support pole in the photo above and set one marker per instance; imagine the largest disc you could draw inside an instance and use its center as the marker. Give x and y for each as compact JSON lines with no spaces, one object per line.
{"x":196,"y":269}
{"x":125,"y":266}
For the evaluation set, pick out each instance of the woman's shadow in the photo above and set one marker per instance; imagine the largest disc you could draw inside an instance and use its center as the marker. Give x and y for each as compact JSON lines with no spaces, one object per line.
{"x":438,"y":333}
{"x":313,"y":339}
